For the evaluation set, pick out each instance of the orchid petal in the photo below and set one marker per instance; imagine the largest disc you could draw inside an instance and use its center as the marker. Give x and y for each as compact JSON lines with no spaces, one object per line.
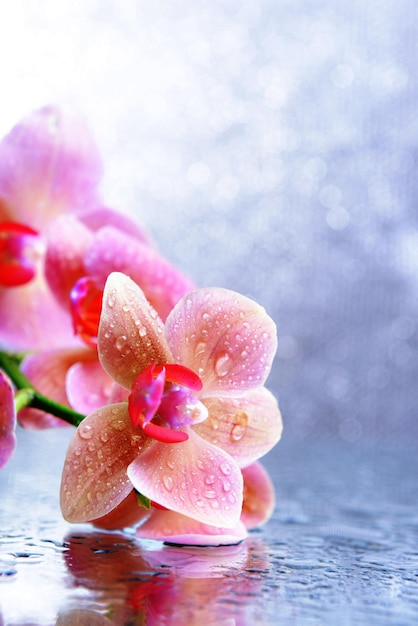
{"x":226,"y":338}
{"x":39,"y":314}
{"x":94,"y":479}
{"x":178,"y":529}
{"x":130,"y":331}
{"x":47,"y":372}
{"x":89,"y":387}
{"x":246,"y":427}
{"x":97,"y":217}
{"x":7,"y":421}
{"x":48,"y":164}
{"x":127,"y":513}
{"x":163,"y":284}
{"x":259,"y":496}
{"x":68,"y":240}
{"x":193,"y":477}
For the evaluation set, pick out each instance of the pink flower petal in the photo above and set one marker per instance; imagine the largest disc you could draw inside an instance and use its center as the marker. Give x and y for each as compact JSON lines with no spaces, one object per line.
{"x":246,"y":427}
{"x":47,"y":372}
{"x":89,"y":387}
{"x":7,"y":421}
{"x":101,"y":216}
{"x":226,"y":338}
{"x":179,"y":529}
{"x":259,"y":496}
{"x":163,"y":285}
{"x":40,"y":316}
{"x":130,"y":331}
{"x":94,"y":479}
{"x":49,"y":163}
{"x":68,"y":239}
{"x":127,"y":513}
{"x":192,"y":477}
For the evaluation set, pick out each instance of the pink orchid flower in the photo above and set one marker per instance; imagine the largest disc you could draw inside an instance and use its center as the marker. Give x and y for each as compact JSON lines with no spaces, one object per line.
{"x":49,"y":165}
{"x":7,"y":421}
{"x":197,"y":412}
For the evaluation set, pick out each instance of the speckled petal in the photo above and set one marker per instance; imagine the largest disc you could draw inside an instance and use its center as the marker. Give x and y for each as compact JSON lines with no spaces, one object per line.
{"x":67,"y":241}
{"x":259,"y":496}
{"x":179,"y":529}
{"x":194,"y":478}
{"x":89,"y":387}
{"x":49,"y":163}
{"x":94,"y":479}
{"x":163,"y":284}
{"x":7,"y":421}
{"x":130,"y":332}
{"x":246,"y":427}
{"x":226,"y":338}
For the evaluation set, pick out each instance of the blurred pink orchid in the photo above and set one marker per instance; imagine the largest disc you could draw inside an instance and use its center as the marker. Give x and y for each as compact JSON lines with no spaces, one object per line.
{"x":7,"y":420}
{"x":197,"y":413}
{"x":49,"y":165}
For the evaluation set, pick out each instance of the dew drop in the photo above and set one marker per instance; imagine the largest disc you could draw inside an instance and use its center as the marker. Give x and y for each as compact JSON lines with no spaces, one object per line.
{"x":200,"y":348}
{"x":214,"y":504}
{"x":85,"y":431}
{"x":143,"y":331}
{"x":111,"y":301}
{"x":120,"y":342}
{"x":104,"y":436}
{"x":209,"y":480}
{"x":168,"y":482}
{"x":171,"y":464}
{"x":225,"y":468}
{"x":226,"y":486}
{"x":223,"y":364}
{"x":200,"y":464}
{"x":240,"y":427}
{"x":210,"y":494}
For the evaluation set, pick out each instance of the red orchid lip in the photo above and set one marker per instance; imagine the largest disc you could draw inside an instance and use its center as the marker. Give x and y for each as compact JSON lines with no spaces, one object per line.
{"x":17,"y":254}
{"x":86,"y":306}
{"x":147,"y":395}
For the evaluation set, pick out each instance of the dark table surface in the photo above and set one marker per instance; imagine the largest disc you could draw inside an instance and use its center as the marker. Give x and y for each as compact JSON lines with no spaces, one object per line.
{"x":341,"y":548}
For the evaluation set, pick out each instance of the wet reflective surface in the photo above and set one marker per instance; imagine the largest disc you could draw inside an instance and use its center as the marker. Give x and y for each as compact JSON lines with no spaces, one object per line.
{"x":341,"y":549}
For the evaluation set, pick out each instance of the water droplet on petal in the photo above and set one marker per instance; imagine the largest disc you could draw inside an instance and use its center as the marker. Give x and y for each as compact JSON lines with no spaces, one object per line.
{"x":223,"y":364}
{"x":225,"y":468}
{"x":120,"y":342}
{"x":85,"y":431}
{"x":168,"y":482}
{"x":143,"y":331}
{"x":209,"y":480}
{"x":104,"y":436}
{"x":200,"y":348}
{"x":226,"y":486}
{"x":240,"y":427}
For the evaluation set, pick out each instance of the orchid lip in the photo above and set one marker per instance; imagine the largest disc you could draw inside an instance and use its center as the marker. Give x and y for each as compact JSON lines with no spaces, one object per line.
{"x":176,"y":406}
{"x":19,"y":250}
{"x":86,"y":306}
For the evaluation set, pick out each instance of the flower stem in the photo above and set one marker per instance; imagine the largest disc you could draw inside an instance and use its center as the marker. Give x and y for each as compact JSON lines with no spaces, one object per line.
{"x":27,"y":396}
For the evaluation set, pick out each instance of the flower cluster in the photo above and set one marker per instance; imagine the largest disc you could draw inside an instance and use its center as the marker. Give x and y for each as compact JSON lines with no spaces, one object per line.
{"x":163,"y":381}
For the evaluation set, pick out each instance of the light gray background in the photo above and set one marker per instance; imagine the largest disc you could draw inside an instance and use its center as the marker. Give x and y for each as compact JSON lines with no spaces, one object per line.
{"x":270,"y":147}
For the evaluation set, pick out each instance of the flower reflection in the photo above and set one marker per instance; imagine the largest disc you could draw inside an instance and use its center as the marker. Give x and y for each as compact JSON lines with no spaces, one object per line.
{"x":132,"y":582}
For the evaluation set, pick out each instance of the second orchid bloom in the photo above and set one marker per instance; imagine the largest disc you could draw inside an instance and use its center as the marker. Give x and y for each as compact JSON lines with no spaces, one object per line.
{"x":197,"y":419}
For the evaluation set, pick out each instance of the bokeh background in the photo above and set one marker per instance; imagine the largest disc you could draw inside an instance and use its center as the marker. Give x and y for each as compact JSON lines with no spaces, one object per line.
{"x":269,"y":147}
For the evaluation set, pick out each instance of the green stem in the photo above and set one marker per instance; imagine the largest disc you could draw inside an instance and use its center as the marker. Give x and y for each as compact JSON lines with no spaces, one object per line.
{"x":28,"y":396}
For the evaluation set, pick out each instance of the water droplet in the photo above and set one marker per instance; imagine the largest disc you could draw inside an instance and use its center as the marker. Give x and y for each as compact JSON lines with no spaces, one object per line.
{"x":168,"y":482}
{"x":223,"y":364}
{"x":85,"y":431}
{"x":126,"y":308}
{"x":143,"y":331}
{"x":209,"y":480}
{"x":240,"y":427}
{"x":225,"y":468}
{"x":104,"y":436}
{"x":91,"y":446}
{"x":214,"y":504}
{"x":209,"y":493}
{"x":200,"y":348}
{"x":111,"y":301}
{"x":206,"y":317}
{"x":171,"y":464}
{"x":120,"y":342}
{"x":226,"y":486}
{"x":200,"y":464}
